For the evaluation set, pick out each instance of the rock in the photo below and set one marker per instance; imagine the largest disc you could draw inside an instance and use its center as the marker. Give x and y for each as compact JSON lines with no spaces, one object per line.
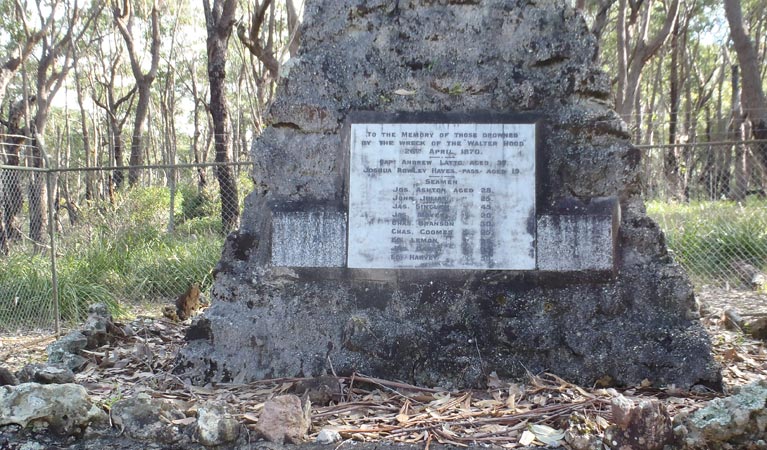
{"x":71,"y":343}
{"x":642,"y":426}
{"x":320,"y":390}
{"x":46,"y":374}
{"x":283,"y":419}
{"x":33,"y":446}
{"x":750,"y":275}
{"x":732,"y":320}
{"x":727,"y":422}
{"x":148,"y":419}
{"x":583,"y":441}
{"x":582,"y":432}
{"x":65,"y":409}
{"x":756,"y":327}
{"x":97,"y":326}
{"x":72,"y":362}
{"x":215,"y":426}
{"x":328,"y":436}
{"x":7,"y":378}
{"x":65,"y":352}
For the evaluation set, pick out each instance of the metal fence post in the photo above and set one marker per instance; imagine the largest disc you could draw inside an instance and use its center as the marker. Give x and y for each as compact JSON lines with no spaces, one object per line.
{"x":52,"y":234}
{"x":172,"y":186}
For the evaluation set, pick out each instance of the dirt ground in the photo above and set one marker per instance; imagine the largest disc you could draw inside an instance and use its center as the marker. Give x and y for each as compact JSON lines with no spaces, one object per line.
{"x":362,"y":408}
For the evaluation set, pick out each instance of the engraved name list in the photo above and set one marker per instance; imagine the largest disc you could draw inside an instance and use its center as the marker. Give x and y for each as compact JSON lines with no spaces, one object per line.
{"x":442,"y":196}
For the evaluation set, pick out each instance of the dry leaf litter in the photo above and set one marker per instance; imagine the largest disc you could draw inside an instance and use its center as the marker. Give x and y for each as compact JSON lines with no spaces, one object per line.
{"x":537,"y":411}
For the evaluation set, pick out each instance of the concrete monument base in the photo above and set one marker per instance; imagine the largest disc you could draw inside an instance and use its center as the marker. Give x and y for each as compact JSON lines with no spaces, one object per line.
{"x":327,"y":274}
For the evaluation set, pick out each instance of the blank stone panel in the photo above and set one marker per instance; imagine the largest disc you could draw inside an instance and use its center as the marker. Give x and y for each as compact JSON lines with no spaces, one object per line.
{"x":576,"y":242}
{"x":309,"y":239}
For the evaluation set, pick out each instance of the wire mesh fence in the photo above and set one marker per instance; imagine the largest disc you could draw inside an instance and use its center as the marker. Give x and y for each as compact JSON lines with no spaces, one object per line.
{"x":73,"y":237}
{"x":709,"y":199}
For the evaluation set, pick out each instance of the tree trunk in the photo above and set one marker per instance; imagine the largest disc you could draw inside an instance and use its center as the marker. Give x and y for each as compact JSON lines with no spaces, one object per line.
{"x":13,"y":197}
{"x":137,"y":147}
{"x":294,"y":26}
{"x":11,"y":65}
{"x":38,"y":208}
{"x":671,"y":162}
{"x":707,"y":173}
{"x":633,"y":54}
{"x":53,"y":67}
{"x":117,"y":149}
{"x":201,"y":177}
{"x":720,"y":167}
{"x":4,"y":249}
{"x":753,"y":99}
{"x":85,"y":133}
{"x":219,"y":22}
{"x":143,"y":81}
{"x":736,"y":123}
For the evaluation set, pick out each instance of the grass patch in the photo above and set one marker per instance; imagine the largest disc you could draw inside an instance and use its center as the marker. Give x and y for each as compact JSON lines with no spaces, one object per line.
{"x":116,"y":254}
{"x":26,"y":290}
{"x":706,"y":238}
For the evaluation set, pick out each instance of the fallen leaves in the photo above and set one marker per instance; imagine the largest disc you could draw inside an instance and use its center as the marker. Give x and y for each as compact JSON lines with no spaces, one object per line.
{"x":499,"y":416}
{"x":539,"y":411}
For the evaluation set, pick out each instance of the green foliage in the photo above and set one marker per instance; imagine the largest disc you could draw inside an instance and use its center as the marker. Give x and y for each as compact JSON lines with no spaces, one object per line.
{"x":707,"y":237}
{"x":197,"y":203}
{"x":26,"y":290}
{"x":116,"y":254}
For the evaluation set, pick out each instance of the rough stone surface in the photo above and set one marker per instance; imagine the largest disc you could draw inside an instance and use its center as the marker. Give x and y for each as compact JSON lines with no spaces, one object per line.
{"x":97,"y":330}
{"x":328,"y":436}
{"x":448,"y":328}
{"x":71,"y":361}
{"x":97,"y":325}
{"x":46,"y":374}
{"x":119,"y":441}
{"x":727,"y":422}
{"x":583,"y":441}
{"x":320,"y":390}
{"x":757,"y":328}
{"x":284,"y":419}
{"x":64,"y":409}
{"x":71,"y":344}
{"x":642,"y":426}
{"x":148,"y":419}
{"x":214,"y":426}
{"x":7,"y":378}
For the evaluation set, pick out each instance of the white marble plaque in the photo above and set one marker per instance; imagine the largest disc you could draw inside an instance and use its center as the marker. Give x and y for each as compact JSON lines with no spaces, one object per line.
{"x":442,"y":196}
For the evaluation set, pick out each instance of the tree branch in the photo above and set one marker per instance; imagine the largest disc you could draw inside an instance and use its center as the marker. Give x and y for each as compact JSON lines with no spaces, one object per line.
{"x":662,"y":34}
{"x":252,"y":42}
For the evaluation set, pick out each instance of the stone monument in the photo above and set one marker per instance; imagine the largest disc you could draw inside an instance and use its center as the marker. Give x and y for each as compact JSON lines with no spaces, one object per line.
{"x":444,"y":191}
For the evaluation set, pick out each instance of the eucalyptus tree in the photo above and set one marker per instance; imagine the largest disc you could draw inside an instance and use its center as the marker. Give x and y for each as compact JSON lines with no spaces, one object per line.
{"x":753,"y":97}
{"x":123,"y":16}
{"x":250,"y":36}
{"x":117,"y":107}
{"x":636,"y":46}
{"x":270,"y":34}
{"x":13,"y":198}
{"x":219,"y":22}
{"x":599,"y":12}
{"x":20,"y":46}
{"x":23,"y":41}
{"x":55,"y":61}
{"x":111,"y":95}
{"x":198,"y":92}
